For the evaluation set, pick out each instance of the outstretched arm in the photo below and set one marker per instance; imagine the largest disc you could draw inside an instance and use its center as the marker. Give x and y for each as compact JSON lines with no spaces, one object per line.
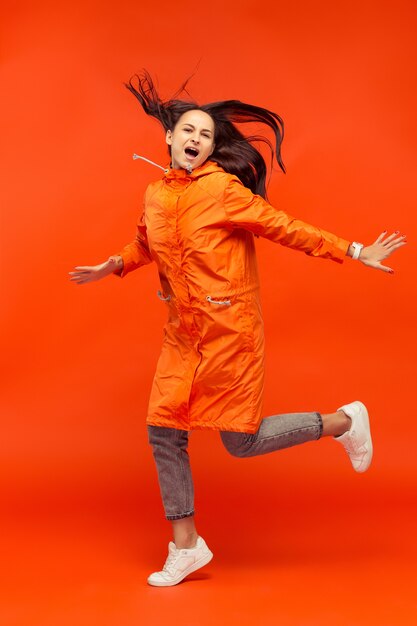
{"x":245,"y":210}
{"x":132,"y":256}
{"x":249,"y":211}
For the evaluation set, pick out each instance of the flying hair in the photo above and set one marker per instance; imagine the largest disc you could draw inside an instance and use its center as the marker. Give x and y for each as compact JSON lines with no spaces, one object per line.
{"x":234,"y":152}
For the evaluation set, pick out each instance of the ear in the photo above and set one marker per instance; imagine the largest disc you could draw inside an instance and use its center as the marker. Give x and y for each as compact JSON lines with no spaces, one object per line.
{"x":168,"y":138}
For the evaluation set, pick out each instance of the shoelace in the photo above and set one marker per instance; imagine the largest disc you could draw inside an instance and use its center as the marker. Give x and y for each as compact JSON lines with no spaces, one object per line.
{"x":352,"y":446}
{"x":169,"y":563}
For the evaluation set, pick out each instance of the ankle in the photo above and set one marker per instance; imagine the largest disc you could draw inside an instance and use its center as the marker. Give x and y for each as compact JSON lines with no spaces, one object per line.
{"x":345,"y":423}
{"x":187,"y":541}
{"x":335,"y":424}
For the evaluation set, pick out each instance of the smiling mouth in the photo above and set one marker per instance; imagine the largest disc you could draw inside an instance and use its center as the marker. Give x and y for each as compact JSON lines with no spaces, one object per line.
{"x":191,"y":152}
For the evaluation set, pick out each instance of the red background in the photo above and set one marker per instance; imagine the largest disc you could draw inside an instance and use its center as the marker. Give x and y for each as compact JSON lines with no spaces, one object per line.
{"x":83,"y":521}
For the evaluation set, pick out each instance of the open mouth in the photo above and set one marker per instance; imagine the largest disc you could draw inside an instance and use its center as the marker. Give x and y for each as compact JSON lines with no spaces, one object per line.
{"x":191,"y":153}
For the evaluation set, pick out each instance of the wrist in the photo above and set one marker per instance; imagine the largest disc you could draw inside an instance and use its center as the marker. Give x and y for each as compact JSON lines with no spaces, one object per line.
{"x":115,"y":263}
{"x":355,"y":250}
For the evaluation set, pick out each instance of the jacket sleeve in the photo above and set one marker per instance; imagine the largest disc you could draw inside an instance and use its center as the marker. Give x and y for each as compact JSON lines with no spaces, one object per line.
{"x":251,"y":212}
{"x":137,"y":253}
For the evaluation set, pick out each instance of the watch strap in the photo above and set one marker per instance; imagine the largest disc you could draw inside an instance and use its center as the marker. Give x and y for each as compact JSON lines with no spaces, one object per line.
{"x":357,"y":249}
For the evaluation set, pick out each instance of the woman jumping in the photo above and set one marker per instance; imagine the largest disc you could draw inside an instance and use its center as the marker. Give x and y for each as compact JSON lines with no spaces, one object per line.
{"x":198,"y":224}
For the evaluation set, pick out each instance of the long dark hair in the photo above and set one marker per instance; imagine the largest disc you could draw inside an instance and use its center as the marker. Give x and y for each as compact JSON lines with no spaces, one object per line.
{"x":234,"y":152}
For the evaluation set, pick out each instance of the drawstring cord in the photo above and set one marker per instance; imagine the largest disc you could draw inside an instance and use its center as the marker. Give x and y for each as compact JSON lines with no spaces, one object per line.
{"x":189,"y":168}
{"x":161,"y":296}
{"x":208,"y":298}
{"x":136,"y":156}
{"x":224,"y":302}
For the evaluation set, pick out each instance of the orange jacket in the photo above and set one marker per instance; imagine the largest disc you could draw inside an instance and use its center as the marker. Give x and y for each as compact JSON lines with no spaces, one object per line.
{"x":199,"y":229}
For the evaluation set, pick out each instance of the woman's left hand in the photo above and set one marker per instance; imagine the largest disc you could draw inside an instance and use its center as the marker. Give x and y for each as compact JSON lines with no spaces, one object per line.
{"x":381,"y":249}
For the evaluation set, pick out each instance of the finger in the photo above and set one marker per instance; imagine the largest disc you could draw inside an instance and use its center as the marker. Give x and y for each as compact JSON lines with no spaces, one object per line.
{"x":392,"y":249}
{"x":83,"y":268}
{"x":390,"y":238}
{"x":385,"y":268}
{"x":380,"y":238}
{"x":83,"y":273}
{"x":395,"y":242}
{"x":77,"y":279}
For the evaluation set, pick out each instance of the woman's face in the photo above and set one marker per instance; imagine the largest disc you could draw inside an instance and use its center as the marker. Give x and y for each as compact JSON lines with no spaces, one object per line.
{"x":192,"y":140}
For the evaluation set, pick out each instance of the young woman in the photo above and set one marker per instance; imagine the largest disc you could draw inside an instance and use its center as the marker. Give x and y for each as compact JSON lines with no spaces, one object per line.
{"x":198,"y":225}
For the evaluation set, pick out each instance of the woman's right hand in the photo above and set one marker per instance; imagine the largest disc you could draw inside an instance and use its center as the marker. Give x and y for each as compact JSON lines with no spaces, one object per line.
{"x":89,"y":273}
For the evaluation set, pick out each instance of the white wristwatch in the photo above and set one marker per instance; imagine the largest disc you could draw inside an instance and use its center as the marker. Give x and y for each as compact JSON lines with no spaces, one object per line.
{"x":357,"y":249}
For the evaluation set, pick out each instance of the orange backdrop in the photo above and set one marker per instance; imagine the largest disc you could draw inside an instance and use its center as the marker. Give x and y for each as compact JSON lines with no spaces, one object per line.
{"x":79,"y":360}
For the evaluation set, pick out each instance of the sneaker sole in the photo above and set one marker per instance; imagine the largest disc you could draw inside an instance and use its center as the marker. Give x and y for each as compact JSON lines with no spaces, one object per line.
{"x":364,"y":466}
{"x":197,"y":565}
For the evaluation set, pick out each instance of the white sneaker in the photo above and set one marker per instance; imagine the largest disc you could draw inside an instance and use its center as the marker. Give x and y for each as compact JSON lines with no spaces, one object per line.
{"x":357,"y":441}
{"x":180,"y":563}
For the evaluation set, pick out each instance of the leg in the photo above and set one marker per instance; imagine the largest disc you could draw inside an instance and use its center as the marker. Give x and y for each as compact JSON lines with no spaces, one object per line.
{"x":349,"y":425}
{"x":189,"y":552}
{"x":275,"y":433}
{"x":169,"y":447}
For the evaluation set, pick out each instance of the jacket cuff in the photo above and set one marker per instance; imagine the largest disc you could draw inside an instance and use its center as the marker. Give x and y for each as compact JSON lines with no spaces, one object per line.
{"x":341,"y":246}
{"x":127,"y":264}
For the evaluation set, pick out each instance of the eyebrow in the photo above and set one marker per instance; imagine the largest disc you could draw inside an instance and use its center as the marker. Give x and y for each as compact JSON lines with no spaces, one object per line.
{"x":192,"y":126}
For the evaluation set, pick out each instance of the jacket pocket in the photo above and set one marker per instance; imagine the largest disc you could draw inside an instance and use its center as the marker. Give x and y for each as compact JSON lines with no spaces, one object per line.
{"x":229,"y":318}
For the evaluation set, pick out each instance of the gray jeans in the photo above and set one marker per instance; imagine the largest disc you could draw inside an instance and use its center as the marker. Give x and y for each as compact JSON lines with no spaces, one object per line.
{"x":169,"y":447}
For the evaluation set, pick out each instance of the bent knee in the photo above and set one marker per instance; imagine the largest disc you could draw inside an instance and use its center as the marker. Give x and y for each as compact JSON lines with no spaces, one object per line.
{"x":237,"y":444}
